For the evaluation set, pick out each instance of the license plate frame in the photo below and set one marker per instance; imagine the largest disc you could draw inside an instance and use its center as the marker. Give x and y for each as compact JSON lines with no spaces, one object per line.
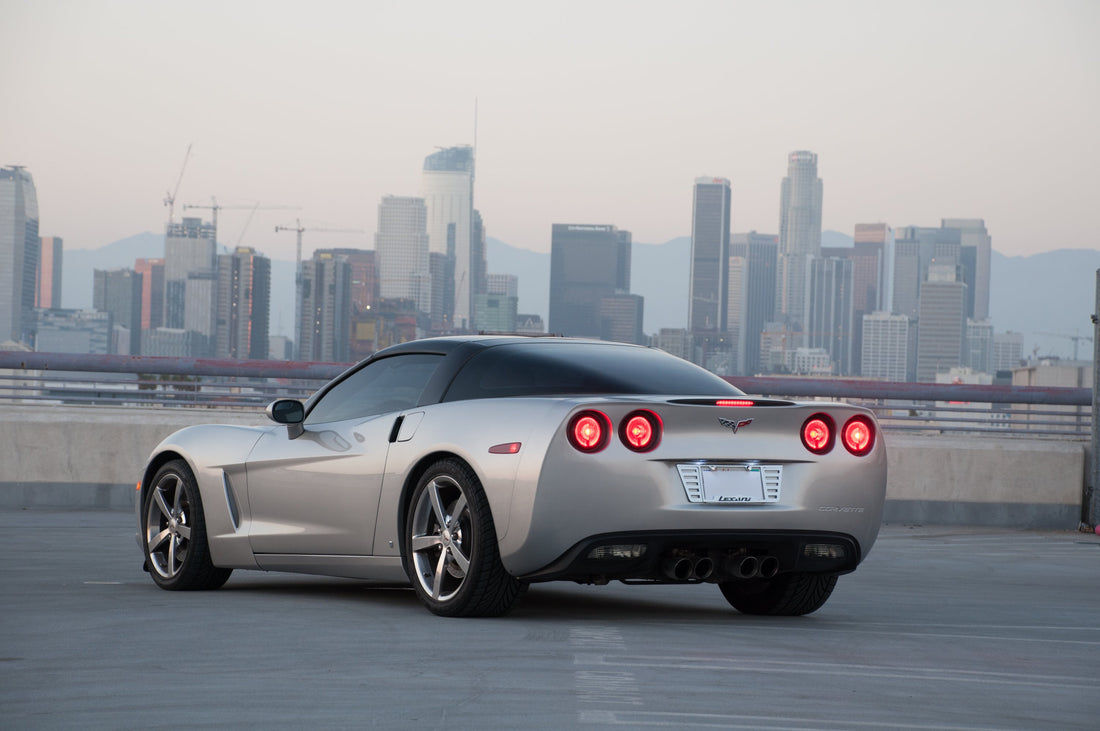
{"x":733,"y":484}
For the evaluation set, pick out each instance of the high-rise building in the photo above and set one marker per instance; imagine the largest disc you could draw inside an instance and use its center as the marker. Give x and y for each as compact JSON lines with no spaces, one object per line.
{"x":674,"y":340}
{"x":118,"y":291}
{"x":587,"y":263}
{"x":889,"y":347}
{"x":244,"y":305}
{"x":402,"y":245}
{"x":830,"y":311}
{"x":73,"y":331}
{"x":976,"y":250}
{"x":710,"y":242}
{"x":495,"y":312}
{"x":978,"y":349}
{"x":48,"y":280}
{"x":941,"y":327}
{"x":761,"y":252}
{"x":324,"y":330}
{"x":867,"y":256}
{"x":1008,"y":351}
{"x":916,"y":249}
{"x":152,"y":292}
{"x":189,"y":248}
{"x":800,"y":204}
{"x":18,"y":254}
{"x":502,"y":284}
{"x":621,"y":318}
{"x":447,"y":187}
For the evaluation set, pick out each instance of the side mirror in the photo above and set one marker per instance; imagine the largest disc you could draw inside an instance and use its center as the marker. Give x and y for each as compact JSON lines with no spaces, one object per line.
{"x":290,"y":412}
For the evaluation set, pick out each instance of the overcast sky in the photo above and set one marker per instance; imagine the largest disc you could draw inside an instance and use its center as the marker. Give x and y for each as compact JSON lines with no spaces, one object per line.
{"x":589,"y":112}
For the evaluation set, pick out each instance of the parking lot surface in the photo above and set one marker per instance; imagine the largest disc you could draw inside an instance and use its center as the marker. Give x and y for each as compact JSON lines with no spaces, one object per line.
{"x":940,"y":628}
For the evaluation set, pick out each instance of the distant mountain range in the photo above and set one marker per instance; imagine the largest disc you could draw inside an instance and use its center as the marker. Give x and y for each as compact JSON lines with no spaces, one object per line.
{"x":1048,"y":297}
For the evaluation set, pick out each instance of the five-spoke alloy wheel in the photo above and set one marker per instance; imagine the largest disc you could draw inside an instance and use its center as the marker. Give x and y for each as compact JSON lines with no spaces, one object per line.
{"x":176,"y":550}
{"x":451,"y":548}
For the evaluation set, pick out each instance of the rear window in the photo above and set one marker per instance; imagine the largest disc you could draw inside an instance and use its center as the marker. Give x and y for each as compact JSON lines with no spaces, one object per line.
{"x":549,"y":368}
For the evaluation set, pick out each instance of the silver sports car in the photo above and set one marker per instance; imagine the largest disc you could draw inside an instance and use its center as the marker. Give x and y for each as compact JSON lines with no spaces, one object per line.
{"x":474,"y":466}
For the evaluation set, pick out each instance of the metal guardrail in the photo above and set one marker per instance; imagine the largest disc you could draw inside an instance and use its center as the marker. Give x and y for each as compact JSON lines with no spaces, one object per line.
{"x":252,"y":384}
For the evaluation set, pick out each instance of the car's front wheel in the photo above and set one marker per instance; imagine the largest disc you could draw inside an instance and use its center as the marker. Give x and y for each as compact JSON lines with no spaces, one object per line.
{"x":451,"y":546}
{"x":176,"y":551}
{"x":783,"y":595}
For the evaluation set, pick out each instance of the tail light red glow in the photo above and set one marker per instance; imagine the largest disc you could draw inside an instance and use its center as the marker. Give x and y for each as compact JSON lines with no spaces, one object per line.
{"x":858,"y":435}
{"x":589,"y":431}
{"x":734,"y":402}
{"x":818,"y":433}
{"x":640,"y":431}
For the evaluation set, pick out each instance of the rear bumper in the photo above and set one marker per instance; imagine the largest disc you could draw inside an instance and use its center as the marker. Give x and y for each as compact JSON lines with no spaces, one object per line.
{"x":702,"y":555}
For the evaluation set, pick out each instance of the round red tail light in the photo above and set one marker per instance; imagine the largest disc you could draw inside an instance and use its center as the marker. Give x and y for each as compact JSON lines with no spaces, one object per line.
{"x":589,"y":431}
{"x":818,"y":433}
{"x":858,"y":435}
{"x":640,"y":431}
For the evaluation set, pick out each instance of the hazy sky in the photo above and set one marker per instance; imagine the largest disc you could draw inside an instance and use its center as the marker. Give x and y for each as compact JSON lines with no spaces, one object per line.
{"x":589,"y":112}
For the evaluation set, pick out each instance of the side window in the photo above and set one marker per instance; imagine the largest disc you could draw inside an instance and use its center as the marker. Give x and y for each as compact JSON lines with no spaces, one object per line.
{"x":390,"y":384}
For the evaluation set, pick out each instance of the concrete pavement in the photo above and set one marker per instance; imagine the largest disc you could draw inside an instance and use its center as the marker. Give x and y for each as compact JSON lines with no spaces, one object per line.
{"x":940,"y":628}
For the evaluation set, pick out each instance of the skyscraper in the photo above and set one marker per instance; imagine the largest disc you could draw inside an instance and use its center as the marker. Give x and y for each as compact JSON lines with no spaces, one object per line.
{"x":800,"y":203}
{"x":48,"y":280}
{"x":118,"y":291}
{"x":18,"y":254}
{"x":830,"y":311}
{"x":941,"y":328}
{"x":152,"y":292}
{"x":710,"y":243}
{"x":757,"y":289}
{"x":402,"y":245}
{"x":447,"y":187}
{"x":587,"y":263}
{"x":324,"y":329}
{"x":976,"y":248}
{"x":978,"y":348}
{"x":889,"y":345}
{"x":189,"y":247}
{"x":244,"y":305}
{"x":867,"y":256}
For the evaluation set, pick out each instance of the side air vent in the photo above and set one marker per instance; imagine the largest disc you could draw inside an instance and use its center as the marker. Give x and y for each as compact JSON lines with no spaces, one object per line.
{"x":692,"y":477}
{"x":231,"y":501}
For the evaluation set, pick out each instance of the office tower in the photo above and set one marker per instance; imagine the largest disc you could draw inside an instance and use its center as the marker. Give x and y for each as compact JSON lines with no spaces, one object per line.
{"x":587,"y":263}
{"x":674,"y":340}
{"x":757,"y":288}
{"x":73,"y":331}
{"x":495,"y":312}
{"x":48,"y":279}
{"x":152,"y":292}
{"x":941,"y":328}
{"x":170,"y":342}
{"x":1008,"y":351}
{"x":364,"y":277}
{"x":867,"y":255}
{"x":916,"y":249}
{"x":710,"y":241}
{"x":736,"y":282}
{"x":621,"y":318}
{"x":18,"y":254}
{"x":800,"y":204}
{"x":830,"y":311}
{"x":200,"y":310}
{"x":447,"y":187}
{"x":978,"y":349}
{"x":402,"y":245}
{"x":244,"y":304}
{"x":976,"y":250}
{"x":479,"y":265}
{"x":506,"y":285}
{"x":189,"y":247}
{"x":324,"y":330}
{"x":118,"y":291}
{"x":889,"y":347}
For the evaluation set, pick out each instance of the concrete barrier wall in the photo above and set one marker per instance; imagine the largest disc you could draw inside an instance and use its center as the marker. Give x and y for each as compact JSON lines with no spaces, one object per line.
{"x":92,"y":457}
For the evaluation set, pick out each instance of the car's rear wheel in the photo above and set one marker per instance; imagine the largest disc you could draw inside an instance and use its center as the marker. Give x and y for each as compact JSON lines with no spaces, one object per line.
{"x":785,"y":595}
{"x":176,"y":551}
{"x":451,"y":546}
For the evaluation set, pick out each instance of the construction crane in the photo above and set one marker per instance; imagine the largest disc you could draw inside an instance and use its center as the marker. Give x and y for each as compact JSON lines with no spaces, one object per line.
{"x":1075,"y":338}
{"x":214,"y":207}
{"x":170,"y":197}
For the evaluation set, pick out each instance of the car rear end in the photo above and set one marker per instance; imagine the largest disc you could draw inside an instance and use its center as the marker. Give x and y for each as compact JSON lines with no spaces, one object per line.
{"x":701,"y":489}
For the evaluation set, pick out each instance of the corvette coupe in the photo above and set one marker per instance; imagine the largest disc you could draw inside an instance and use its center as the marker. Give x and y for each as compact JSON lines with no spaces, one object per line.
{"x":474,"y":466}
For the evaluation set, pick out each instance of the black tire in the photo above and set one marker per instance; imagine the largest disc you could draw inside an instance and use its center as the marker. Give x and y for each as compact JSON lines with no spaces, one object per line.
{"x":174,"y":532}
{"x":787,"y":595}
{"x":451,"y":549}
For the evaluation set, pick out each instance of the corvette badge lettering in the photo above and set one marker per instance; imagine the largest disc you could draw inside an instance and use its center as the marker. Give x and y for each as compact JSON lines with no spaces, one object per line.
{"x":734,"y":425}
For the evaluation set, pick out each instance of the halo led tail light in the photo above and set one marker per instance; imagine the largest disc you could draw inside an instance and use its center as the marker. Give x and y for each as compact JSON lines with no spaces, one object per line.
{"x":641,"y":431}
{"x":589,"y":431}
{"x":858,"y":435}
{"x":819,"y":433}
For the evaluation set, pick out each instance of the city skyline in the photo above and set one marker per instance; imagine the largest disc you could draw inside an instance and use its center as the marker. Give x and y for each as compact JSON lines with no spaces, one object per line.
{"x":917,"y":114}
